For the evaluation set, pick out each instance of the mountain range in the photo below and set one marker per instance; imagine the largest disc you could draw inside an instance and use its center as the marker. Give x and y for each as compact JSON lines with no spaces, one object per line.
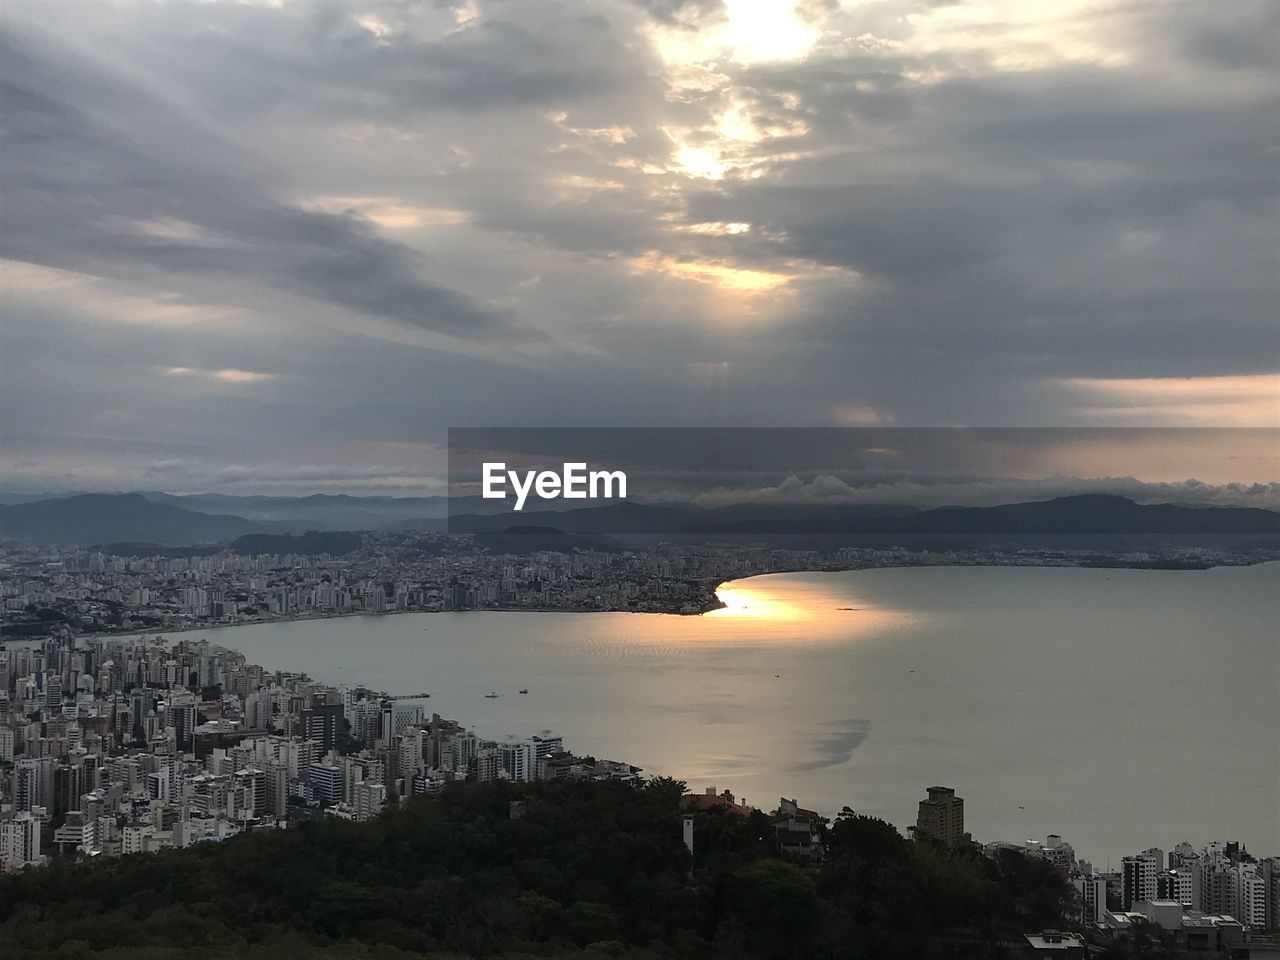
{"x":1086,"y":514}
{"x":163,"y":519}
{"x":101,"y":517}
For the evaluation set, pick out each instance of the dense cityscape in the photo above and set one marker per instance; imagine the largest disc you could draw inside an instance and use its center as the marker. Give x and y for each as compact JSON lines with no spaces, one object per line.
{"x":124,"y":734}
{"x":72,"y":590}
{"x":115,"y":745}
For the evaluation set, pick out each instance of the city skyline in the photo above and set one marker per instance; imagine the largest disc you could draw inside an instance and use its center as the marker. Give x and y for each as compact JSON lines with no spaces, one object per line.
{"x":279,"y":746}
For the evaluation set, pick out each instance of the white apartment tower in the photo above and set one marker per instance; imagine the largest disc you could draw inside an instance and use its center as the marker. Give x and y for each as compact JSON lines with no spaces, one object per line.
{"x":20,"y":842}
{"x":369,"y":800}
{"x":1138,"y":876}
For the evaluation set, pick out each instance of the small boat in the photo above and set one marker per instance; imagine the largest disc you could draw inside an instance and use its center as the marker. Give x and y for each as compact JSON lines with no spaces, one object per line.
{"x":492,"y":696}
{"x":522,"y":692}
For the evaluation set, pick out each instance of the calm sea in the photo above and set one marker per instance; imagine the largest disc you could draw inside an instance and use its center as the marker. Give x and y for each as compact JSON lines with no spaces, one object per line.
{"x":1122,"y":709}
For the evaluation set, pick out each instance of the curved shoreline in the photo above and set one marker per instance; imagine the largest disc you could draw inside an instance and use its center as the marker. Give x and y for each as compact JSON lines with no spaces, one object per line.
{"x":704,"y":608}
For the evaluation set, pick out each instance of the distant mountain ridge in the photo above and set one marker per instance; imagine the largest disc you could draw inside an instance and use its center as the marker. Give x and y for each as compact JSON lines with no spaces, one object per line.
{"x":88,"y":518}
{"x":102,"y":517}
{"x":1085,"y":514}
{"x":320,"y":511}
{"x":139,"y":519}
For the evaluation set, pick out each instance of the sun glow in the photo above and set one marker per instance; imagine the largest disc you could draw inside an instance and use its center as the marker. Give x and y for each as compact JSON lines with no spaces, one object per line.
{"x":751,"y":31}
{"x":758,"y":602}
{"x":1242,"y":400}
{"x":1015,"y":35}
{"x":389,"y":213}
{"x":743,"y":600}
{"x":225,"y":375}
{"x":713,"y":273}
{"x":714,"y":228}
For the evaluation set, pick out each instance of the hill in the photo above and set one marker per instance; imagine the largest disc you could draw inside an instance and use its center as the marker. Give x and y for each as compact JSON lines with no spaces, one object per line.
{"x":321,"y":511}
{"x":1088,"y":515}
{"x":101,"y":518}
{"x":160,"y":520}
{"x":588,"y":869}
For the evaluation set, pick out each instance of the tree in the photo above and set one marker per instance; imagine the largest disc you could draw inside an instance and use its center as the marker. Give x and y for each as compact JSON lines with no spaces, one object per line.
{"x":774,"y":905}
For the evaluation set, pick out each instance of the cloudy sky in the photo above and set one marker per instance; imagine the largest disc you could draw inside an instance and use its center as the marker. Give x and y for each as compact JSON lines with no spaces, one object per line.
{"x":280,"y":246}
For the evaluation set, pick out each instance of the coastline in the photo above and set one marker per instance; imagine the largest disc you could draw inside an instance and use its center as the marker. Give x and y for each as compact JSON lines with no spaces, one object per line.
{"x":708,"y":606}
{"x":294,"y":655}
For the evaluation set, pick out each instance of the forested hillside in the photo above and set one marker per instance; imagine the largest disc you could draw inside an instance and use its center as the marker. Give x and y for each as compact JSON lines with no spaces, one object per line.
{"x":586,"y":870}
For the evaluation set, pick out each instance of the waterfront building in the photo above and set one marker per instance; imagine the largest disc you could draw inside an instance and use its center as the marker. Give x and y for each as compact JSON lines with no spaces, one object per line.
{"x":941,"y":817}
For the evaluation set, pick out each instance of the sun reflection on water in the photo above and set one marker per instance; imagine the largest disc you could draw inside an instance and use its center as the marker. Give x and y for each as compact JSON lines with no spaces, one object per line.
{"x":745,"y":600}
{"x":775,"y":606}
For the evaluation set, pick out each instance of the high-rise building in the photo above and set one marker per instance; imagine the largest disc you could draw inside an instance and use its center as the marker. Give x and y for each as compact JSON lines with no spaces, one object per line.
{"x":1057,"y":851}
{"x":68,"y":784}
{"x":254,"y":780}
{"x":1138,"y":878}
{"x":32,"y":783}
{"x":411,"y":746}
{"x":1177,"y":884}
{"x":277,"y":776}
{"x":544,"y":747}
{"x":486,"y":763}
{"x":463,"y":747}
{"x":52,"y":690}
{"x":1271,"y":877}
{"x":180,"y":714}
{"x":1250,"y":895}
{"x":19,"y":842}
{"x":396,"y":718}
{"x":517,"y":759}
{"x":941,"y":817}
{"x":323,"y":724}
{"x":326,"y":782}
{"x":1091,"y":888}
{"x":369,"y":800}
{"x":1214,"y":884}
{"x":7,"y":741}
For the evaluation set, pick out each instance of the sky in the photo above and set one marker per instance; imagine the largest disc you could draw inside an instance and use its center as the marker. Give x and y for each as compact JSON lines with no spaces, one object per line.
{"x":279,"y":247}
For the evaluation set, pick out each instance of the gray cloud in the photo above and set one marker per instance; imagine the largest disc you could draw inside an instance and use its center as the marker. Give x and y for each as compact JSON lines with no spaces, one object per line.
{"x":119,"y":181}
{"x":687,"y":13}
{"x":406,"y":215}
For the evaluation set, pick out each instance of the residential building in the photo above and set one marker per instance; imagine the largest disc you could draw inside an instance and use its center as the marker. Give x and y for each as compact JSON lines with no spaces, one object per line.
{"x":941,"y":817}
